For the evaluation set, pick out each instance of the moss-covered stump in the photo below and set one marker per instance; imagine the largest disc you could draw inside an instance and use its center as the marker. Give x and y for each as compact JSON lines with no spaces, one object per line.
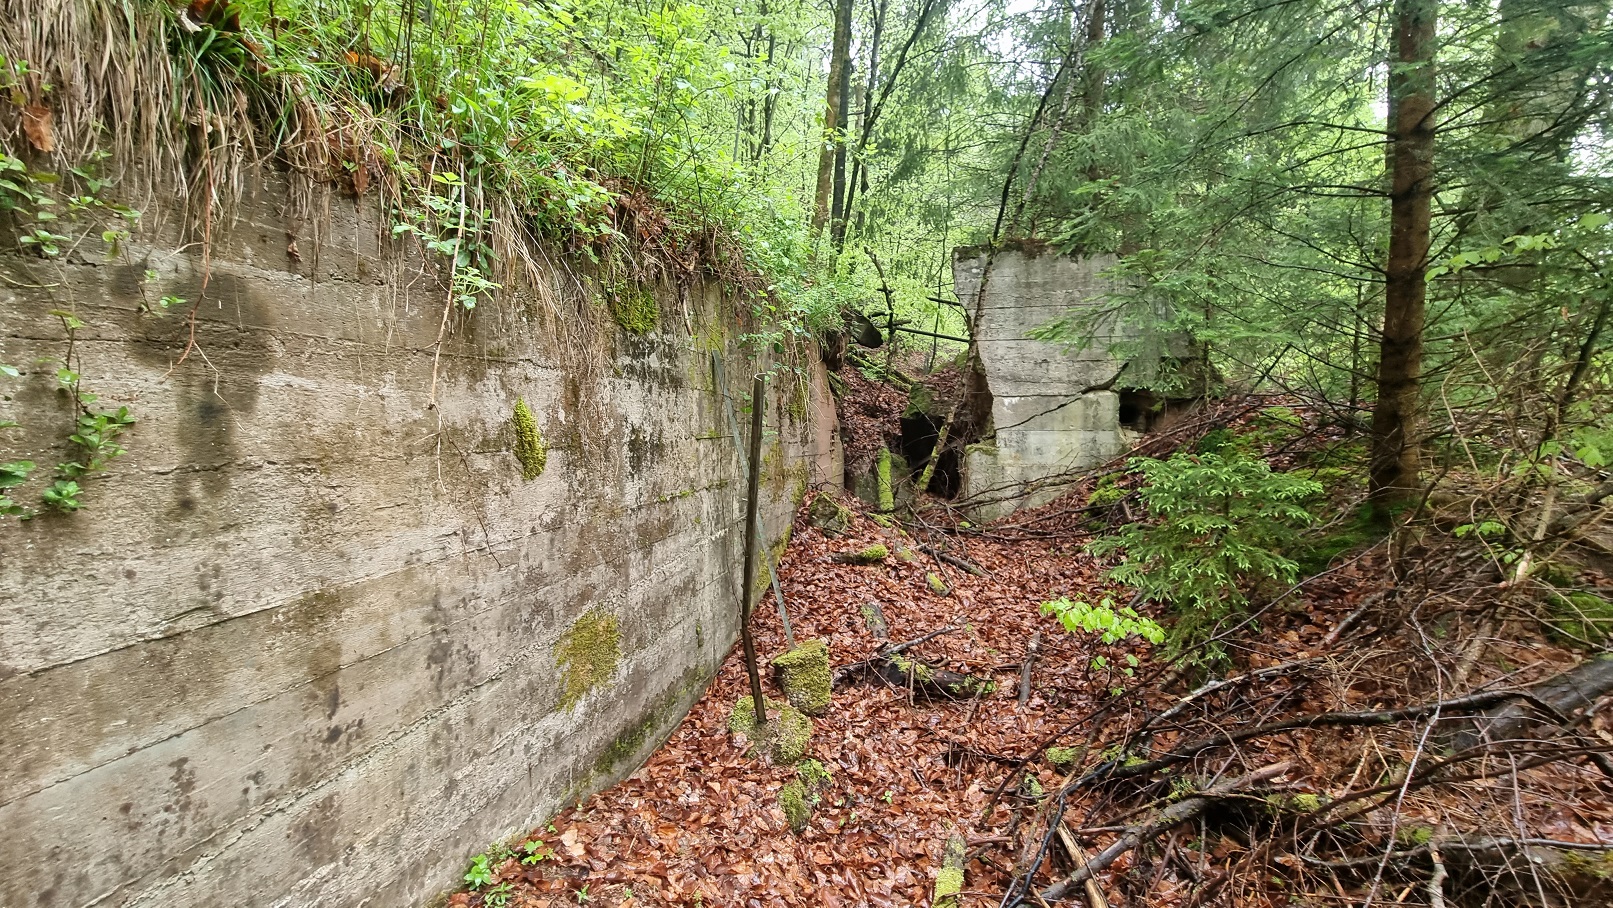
{"x":949,"y":879}
{"x":783,"y":739}
{"x":874,"y":554}
{"x":874,"y":617}
{"x":829,"y":516}
{"x":803,"y":675}
{"x":792,"y":798}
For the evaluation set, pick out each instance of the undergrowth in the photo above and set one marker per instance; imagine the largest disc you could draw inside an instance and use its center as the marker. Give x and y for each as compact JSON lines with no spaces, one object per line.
{"x":490,"y":128}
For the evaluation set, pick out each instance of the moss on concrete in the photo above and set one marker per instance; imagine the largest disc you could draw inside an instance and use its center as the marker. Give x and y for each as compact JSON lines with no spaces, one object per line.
{"x":635,"y":309}
{"x":882,"y":467}
{"x":1596,"y":864}
{"x":803,"y":674}
{"x":830,"y":517}
{"x":588,"y":654}
{"x":948,"y":883}
{"x":875,"y":619}
{"x":949,"y":878}
{"x":530,"y":448}
{"x":797,"y":809}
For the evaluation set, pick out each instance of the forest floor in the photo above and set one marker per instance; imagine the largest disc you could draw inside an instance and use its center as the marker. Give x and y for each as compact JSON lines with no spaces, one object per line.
{"x":1024,"y":785}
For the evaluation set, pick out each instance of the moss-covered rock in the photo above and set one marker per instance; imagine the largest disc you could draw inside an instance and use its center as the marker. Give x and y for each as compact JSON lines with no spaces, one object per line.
{"x":882,"y":476}
{"x":829,"y":516}
{"x":803,"y":675}
{"x":783,"y":739}
{"x":813,"y":773}
{"x":937,"y":585}
{"x":792,"y":798}
{"x":874,"y":617}
{"x":874,"y":554}
{"x":530,"y":449}
{"x":588,"y":654}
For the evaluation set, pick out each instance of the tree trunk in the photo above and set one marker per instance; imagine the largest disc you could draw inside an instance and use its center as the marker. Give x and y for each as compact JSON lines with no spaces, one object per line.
{"x":839,"y":58}
{"x":1411,"y":126}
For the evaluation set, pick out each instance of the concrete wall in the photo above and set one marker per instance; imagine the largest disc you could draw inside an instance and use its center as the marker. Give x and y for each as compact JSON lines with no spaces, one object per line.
{"x":300,"y":646}
{"x":1043,"y":425}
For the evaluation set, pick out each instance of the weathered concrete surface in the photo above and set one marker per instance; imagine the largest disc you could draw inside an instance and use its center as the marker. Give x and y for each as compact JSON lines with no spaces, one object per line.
{"x":299,"y":648}
{"x":1044,"y":425}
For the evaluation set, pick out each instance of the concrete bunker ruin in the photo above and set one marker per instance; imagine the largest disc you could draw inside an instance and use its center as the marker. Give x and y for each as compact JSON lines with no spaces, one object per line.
{"x":1056,"y":408}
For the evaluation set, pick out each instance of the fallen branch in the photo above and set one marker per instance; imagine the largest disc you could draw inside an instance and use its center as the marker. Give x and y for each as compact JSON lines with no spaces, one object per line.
{"x":1174,"y":815}
{"x":854,"y":669}
{"x":962,"y":564}
{"x":1186,"y":752}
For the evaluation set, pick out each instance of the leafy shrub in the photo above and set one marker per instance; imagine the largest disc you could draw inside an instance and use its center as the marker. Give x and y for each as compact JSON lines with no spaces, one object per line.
{"x":1104,"y":619}
{"x":1221,"y":522}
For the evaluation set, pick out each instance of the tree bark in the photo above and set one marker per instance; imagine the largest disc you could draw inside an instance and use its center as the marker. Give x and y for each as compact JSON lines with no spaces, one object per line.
{"x":1394,"y":457}
{"x":839,"y":60}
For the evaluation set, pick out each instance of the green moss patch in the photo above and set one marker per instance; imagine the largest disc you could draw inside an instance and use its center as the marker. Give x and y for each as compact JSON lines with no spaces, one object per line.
{"x":937,"y":585}
{"x":887,"y":499}
{"x":1063,"y":756}
{"x":813,"y":773}
{"x":530,"y":448}
{"x":797,"y":809}
{"x":874,"y":554}
{"x":949,"y":879}
{"x":803,"y":674}
{"x":784,"y":739}
{"x":588,"y":654}
{"x":635,"y":309}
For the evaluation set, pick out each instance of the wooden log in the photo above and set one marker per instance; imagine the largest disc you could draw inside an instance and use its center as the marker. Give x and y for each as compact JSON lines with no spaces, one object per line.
{"x":1566,"y":694}
{"x":1027,"y":666}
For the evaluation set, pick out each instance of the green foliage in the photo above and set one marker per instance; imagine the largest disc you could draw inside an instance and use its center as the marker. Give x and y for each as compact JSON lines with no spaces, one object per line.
{"x":536,"y":851}
{"x":13,"y":474}
{"x":1110,"y":624}
{"x":1219,"y":524}
{"x":482,"y":870}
